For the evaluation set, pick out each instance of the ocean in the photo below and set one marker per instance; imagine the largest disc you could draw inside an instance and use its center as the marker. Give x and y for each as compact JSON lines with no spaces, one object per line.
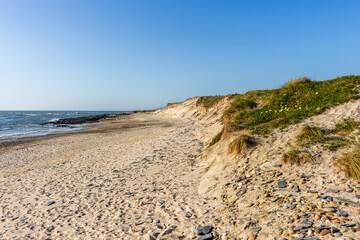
{"x":19,"y":124}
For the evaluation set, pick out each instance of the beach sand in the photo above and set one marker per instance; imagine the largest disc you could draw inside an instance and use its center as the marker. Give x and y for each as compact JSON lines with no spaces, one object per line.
{"x":133,"y":178}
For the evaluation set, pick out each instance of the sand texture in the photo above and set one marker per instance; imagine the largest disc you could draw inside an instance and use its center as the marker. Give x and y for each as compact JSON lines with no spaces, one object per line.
{"x":134,"y":178}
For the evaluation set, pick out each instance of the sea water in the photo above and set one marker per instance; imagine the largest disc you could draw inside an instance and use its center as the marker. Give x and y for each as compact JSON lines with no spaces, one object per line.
{"x":19,"y":124}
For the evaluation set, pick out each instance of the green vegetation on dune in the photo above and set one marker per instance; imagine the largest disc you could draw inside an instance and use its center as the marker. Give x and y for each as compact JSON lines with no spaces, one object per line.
{"x":216,"y":138}
{"x":296,"y":100}
{"x":241,"y":144}
{"x":208,"y":101}
{"x":349,"y":163}
{"x":346,"y":127}
{"x":297,"y":157}
{"x":314,"y":135}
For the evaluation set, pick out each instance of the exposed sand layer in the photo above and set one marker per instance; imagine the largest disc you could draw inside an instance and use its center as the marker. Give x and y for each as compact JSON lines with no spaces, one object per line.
{"x":314,"y":200}
{"x":134,"y":178}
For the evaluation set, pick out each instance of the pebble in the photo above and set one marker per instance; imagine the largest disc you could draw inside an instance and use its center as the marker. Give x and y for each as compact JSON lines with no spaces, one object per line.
{"x":207,"y":229}
{"x":51,"y":203}
{"x":343,"y":213}
{"x":329,"y":209}
{"x":241,"y":192}
{"x":188,"y":214}
{"x":256,"y":229}
{"x":296,"y":188}
{"x":292,"y":206}
{"x":282,"y":184}
{"x":206,"y":237}
{"x":324,"y":232}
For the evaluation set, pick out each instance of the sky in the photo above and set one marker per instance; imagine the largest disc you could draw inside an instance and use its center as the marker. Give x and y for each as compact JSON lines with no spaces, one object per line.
{"x":132,"y":54}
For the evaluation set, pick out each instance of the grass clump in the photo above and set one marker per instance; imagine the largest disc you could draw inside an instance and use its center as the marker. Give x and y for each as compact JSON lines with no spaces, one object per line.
{"x":350,"y":164}
{"x":261,"y":130}
{"x":297,"y":157}
{"x":347,"y":126}
{"x":291,"y":103}
{"x":208,"y":101}
{"x":242,"y":144}
{"x":216,"y":138}
{"x":310,"y":135}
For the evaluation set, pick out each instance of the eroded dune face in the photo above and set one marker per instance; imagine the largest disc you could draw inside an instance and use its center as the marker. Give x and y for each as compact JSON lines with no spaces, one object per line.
{"x":316,"y":200}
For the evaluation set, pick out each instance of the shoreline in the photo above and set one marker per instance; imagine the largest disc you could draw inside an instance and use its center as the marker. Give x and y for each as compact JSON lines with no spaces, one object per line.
{"x":131,"y":178}
{"x":85,"y":128}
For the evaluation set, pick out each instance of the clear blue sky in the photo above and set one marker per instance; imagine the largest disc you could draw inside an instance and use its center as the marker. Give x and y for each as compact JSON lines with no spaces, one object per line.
{"x":124,"y":55}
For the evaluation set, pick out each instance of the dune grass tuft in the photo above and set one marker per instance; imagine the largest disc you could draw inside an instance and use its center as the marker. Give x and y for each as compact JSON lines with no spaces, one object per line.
{"x":347,"y":126}
{"x":216,"y":138}
{"x":297,"y":157}
{"x":242,"y":144}
{"x":208,"y":101}
{"x":310,"y":135}
{"x":350,"y":164}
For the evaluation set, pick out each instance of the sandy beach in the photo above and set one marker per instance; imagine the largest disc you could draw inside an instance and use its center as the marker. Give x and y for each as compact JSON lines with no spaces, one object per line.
{"x":133,"y":178}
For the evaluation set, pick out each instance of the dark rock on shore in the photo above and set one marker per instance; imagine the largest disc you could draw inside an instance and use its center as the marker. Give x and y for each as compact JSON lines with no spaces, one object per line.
{"x":86,"y":119}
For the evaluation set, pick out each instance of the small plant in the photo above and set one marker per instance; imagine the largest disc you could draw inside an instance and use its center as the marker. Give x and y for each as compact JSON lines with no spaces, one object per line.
{"x":261,"y":130}
{"x":347,"y":126}
{"x":350,"y":164}
{"x":310,"y":135}
{"x":216,"y":138}
{"x":242,"y":144}
{"x":208,"y":101}
{"x":297,"y":157}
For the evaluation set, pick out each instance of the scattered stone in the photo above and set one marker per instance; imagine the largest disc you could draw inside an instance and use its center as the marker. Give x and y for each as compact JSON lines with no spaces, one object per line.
{"x":292,"y":206}
{"x":343,"y":213}
{"x":296,"y":188}
{"x":307,"y":223}
{"x":207,"y":229}
{"x":324,"y":232}
{"x":206,"y":237}
{"x":256,"y":229}
{"x":312,"y":191}
{"x":50,"y":229}
{"x":241,"y":192}
{"x":51,"y":203}
{"x":282,"y":184}
{"x":188,"y":214}
{"x":329,"y":209}
{"x":198,"y":230}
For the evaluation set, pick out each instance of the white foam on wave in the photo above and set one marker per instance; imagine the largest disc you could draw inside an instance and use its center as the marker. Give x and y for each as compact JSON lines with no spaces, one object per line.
{"x":53,"y":120}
